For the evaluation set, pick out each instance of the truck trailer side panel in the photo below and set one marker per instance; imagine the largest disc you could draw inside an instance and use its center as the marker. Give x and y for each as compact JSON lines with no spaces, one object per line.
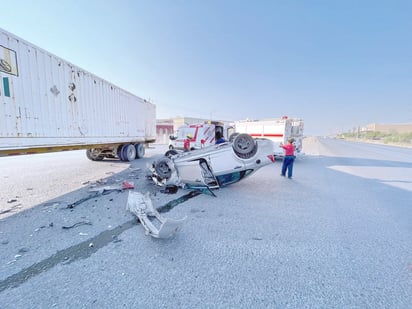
{"x":46,"y":101}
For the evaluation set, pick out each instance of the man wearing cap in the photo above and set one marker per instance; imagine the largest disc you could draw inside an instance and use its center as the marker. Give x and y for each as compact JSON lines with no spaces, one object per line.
{"x":186,"y":143}
{"x":289,"y":157}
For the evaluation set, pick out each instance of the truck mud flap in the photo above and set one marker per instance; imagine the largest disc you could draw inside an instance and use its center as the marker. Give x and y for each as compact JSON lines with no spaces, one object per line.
{"x":154,"y":224}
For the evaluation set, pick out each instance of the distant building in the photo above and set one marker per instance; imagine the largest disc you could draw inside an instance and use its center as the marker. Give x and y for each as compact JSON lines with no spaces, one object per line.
{"x":387,"y":128}
{"x":164,"y":128}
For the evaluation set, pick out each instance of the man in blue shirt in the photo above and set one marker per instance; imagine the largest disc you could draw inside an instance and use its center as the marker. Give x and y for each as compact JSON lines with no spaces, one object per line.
{"x":219,"y":138}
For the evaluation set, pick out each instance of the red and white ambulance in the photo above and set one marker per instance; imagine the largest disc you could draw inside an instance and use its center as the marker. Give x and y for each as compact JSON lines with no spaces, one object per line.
{"x":201,"y":135}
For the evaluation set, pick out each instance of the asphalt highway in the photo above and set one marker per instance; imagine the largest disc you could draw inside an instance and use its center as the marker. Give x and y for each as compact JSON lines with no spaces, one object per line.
{"x":336,"y":235}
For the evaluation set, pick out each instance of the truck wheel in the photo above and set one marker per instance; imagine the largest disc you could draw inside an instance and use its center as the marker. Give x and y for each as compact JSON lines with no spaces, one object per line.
{"x":244,"y":146}
{"x":119,"y":152}
{"x":93,"y":155}
{"x":140,"y":150}
{"x":128,"y":152}
{"x":162,"y":168}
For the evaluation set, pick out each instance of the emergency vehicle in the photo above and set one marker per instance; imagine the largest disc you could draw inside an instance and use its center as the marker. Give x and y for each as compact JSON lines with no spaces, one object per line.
{"x":200,"y":135}
{"x":278,"y":130}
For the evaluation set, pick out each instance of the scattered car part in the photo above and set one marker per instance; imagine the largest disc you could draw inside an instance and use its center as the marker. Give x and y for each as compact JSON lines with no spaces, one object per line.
{"x":76,"y":224}
{"x":142,"y":206}
{"x":170,"y":189}
{"x":76,"y":203}
{"x":116,"y":187}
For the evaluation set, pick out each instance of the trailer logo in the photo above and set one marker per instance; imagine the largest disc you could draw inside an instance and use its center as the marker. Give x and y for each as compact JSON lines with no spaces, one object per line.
{"x":8,"y":61}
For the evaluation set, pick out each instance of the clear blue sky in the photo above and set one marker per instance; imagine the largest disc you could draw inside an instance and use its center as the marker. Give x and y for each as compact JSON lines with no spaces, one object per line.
{"x":335,"y":63}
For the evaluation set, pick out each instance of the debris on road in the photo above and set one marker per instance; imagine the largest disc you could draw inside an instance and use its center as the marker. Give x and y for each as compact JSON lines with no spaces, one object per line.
{"x":76,"y":224}
{"x":15,"y":207}
{"x":127,"y":185}
{"x":116,"y":239}
{"x":103,"y":190}
{"x":155,"y":226}
{"x":72,"y":205}
{"x":53,"y":204}
{"x":133,"y":173}
{"x":110,"y":188}
{"x":170,"y":189}
{"x":23,"y":250}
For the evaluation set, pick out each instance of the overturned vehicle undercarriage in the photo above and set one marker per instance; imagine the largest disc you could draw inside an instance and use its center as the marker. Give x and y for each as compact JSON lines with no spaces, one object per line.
{"x":214,"y":166}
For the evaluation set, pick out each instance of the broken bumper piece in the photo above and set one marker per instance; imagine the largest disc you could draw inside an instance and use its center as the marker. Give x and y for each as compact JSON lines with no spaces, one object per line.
{"x":154,"y":224}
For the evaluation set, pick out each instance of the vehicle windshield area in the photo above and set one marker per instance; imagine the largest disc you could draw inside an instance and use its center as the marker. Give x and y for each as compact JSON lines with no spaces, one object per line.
{"x":182,"y":134}
{"x":228,"y":179}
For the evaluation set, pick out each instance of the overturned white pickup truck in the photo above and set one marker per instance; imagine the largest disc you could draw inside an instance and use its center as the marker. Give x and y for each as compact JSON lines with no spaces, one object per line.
{"x":214,"y":166}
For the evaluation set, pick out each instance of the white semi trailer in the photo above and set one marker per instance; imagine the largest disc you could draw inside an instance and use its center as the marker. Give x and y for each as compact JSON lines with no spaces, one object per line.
{"x":48,"y":104}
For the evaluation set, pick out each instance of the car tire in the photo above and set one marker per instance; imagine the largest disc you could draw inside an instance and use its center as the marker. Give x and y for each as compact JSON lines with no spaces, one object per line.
{"x":163,"y":168}
{"x":244,"y":146}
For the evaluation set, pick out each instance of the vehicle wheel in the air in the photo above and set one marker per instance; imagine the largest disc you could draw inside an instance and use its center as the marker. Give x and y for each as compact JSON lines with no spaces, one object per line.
{"x":244,"y":146}
{"x":140,"y":150}
{"x":128,"y":152}
{"x":171,"y":152}
{"x":92,"y":156}
{"x":162,"y":168}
